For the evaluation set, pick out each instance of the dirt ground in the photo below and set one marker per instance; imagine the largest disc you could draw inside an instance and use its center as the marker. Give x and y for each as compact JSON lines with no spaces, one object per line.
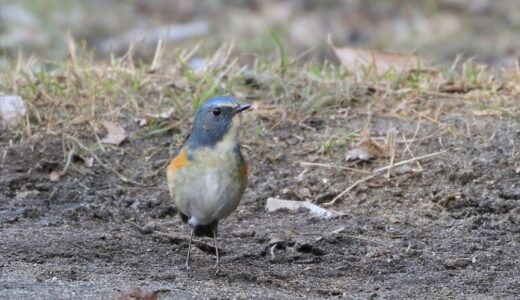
{"x":450,"y":230}
{"x":447,"y":226}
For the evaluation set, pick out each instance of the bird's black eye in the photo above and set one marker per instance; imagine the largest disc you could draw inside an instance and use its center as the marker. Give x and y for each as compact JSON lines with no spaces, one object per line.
{"x":216,"y":111}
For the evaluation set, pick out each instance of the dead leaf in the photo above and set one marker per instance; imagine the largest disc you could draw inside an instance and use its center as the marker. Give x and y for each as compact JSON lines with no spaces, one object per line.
{"x":381,"y":62}
{"x":136,"y":294}
{"x":116,"y":134}
{"x":305,"y":193}
{"x":365,"y":150}
{"x":454,"y":87}
{"x":55,"y":176}
{"x":276,"y":238}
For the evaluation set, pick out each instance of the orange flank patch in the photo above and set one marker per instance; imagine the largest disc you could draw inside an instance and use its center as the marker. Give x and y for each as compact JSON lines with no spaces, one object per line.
{"x":243,"y":174}
{"x":179,"y":162}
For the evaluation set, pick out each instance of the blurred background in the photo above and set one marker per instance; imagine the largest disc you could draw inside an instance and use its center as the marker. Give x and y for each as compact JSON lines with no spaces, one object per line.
{"x":437,"y":30}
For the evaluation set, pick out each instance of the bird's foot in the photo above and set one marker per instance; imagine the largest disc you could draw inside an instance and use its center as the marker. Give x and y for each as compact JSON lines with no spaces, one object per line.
{"x":187,"y":265}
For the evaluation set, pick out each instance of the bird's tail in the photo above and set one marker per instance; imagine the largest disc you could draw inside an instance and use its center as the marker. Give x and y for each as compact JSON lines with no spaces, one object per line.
{"x":202,"y":230}
{"x":206,"y":230}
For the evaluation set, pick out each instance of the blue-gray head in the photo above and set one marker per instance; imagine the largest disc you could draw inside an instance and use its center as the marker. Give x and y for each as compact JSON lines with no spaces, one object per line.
{"x":215,"y":120}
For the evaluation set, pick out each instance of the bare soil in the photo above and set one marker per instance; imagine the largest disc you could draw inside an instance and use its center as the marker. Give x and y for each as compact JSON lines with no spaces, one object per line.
{"x":451,"y":230}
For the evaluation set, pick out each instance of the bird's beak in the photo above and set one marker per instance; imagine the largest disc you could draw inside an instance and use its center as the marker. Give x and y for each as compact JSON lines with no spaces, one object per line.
{"x":241,"y":107}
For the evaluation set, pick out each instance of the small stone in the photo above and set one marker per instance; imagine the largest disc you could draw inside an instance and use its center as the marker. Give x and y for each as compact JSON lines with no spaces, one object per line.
{"x":12,"y":109}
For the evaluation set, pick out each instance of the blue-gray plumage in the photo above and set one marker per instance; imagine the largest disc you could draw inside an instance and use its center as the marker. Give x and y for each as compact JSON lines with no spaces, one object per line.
{"x":209,"y":175}
{"x":209,"y":128}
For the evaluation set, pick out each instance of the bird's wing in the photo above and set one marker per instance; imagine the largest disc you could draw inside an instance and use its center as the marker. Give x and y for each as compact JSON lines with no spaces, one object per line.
{"x":243,"y":175}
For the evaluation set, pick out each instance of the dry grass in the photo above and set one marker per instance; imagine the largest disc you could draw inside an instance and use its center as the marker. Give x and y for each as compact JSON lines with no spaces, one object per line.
{"x":70,"y":98}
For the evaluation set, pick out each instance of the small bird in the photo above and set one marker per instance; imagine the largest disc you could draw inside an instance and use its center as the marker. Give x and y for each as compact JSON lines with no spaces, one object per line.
{"x":208,"y":177}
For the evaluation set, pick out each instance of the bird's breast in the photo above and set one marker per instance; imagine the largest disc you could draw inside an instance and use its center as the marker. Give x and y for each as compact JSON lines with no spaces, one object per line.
{"x":211,"y":183}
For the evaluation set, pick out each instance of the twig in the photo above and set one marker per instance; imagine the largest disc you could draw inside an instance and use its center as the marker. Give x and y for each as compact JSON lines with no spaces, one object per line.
{"x":409,"y":161}
{"x":157,"y":57}
{"x":305,"y":163}
{"x":68,"y":162}
{"x":411,"y":153}
{"x":271,"y":250}
{"x":333,"y":201}
{"x":416,"y":130}
{"x":390,"y":144}
{"x":376,"y":172}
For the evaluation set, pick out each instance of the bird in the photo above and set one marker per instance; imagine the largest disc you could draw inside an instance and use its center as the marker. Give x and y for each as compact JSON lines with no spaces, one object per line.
{"x":208,"y":176}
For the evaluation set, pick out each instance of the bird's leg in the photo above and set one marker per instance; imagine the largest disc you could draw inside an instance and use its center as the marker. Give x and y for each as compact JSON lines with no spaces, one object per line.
{"x":187,"y":264}
{"x":217,"y":264}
